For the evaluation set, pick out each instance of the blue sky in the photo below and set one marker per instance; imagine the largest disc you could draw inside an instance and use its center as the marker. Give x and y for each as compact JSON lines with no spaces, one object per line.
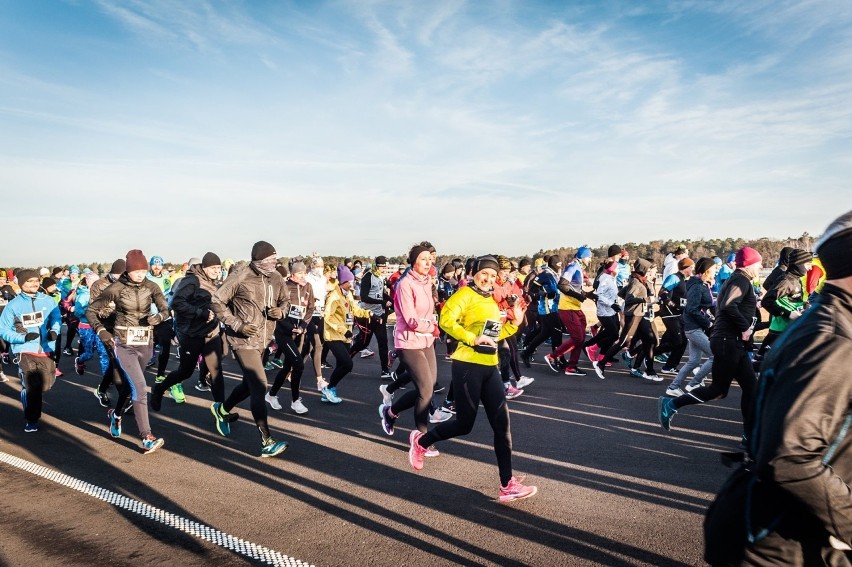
{"x":362,"y":127}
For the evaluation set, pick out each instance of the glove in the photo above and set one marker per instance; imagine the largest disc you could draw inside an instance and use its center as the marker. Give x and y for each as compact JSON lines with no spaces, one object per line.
{"x":274,"y":313}
{"x":154,"y":320}
{"x":616,"y":307}
{"x":51,"y":335}
{"x":106,"y":338}
{"x":347,"y":335}
{"x":511,"y":300}
{"x":436,"y":331}
{"x":31,"y":336}
{"x":19,"y":328}
{"x":249,"y":330}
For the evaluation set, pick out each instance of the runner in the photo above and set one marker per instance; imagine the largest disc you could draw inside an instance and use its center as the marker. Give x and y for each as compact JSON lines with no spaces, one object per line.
{"x":249,"y":303}
{"x":133,"y":295}
{"x":164,"y":332}
{"x":30,"y":323}
{"x":550,"y":325}
{"x":608,"y":306}
{"x":571,"y":313}
{"x":89,"y":342}
{"x":107,"y":319}
{"x":375,"y":298}
{"x":473,"y":318}
{"x":672,"y":300}
{"x":314,"y":339}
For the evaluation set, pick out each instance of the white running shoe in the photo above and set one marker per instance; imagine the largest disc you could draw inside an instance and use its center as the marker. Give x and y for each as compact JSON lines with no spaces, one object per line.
{"x":387,"y":397}
{"x":272,"y":401}
{"x":441,"y":415}
{"x":652,"y":377}
{"x":598,"y":370}
{"x":321,"y":383}
{"x":674,"y":392}
{"x":367,"y":353}
{"x":690,"y":387}
{"x":298,"y":406}
{"x":524,"y":381}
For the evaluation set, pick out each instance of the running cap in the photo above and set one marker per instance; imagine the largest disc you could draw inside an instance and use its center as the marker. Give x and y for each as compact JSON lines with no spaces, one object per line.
{"x":74,"y":270}
{"x":539,"y":262}
{"x":210,"y":259}
{"x":732,"y":257}
{"x":135,"y":260}
{"x":157,"y":261}
{"x":747,"y":256}
{"x":118,"y":266}
{"x":833,"y":248}
{"x":703,"y":265}
{"x":344,"y":274}
{"x":381,"y":261}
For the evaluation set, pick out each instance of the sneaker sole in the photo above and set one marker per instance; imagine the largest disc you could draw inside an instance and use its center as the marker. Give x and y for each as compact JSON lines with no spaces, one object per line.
{"x":153,"y":448}
{"x":551,"y":364}
{"x":513,"y":498}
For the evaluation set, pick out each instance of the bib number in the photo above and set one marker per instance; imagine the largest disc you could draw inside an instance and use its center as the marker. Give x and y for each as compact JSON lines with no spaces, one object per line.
{"x":492,"y":329}
{"x":34,"y":319}
{"x":296,"y":312}
{"x":138,"y":336}
{"x":350,"y":320}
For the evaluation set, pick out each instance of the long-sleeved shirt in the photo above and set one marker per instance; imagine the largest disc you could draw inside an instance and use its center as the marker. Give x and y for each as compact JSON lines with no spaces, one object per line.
{"x":465,"y":316}
{"x":415,"y":313}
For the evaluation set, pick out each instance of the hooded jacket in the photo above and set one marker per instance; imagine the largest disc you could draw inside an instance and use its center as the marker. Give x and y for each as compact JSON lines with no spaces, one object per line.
{"x":699,"y":302}
{"x":192,"y":303}
{"x":415,"y":313}
{"x":637,"y":294}
{"x":735,"y":307}
{"x":786,"y":296}
{"x":300,"y":299}
{"x":130,"y":301}
{"x":340,"y":310}
{"x":244,"y":299}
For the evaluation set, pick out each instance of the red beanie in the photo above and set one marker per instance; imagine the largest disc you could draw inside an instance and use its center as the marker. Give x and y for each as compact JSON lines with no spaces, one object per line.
{"x":747,"y":256}
{"x":136,"y":261}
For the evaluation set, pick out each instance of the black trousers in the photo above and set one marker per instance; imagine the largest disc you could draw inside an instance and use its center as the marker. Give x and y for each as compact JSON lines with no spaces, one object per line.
{"x":375,"y":326}
{"x":190,"y":349}
{"x":38,"y":373}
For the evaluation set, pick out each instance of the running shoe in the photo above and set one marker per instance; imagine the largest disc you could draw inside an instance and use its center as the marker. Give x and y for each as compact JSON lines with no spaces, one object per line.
{"x":330,"y":395}
{"x":662,"y":358}
{"x":574,"y":371}
{"x":551,"y":362}
{"x":388,"y":375}
{"x":202,"y":385}
{"x":592,"y":352}
{"x":668,"y":371}
{"x":223,"y":425}
{"x":298,"y":406}
{"x":627,"y":360}
{"x":387,"y":397}
{"x":665,"y":411}
{"x":652,"y":377}
{"x":598,"y":370}
{"x":272,"y":401}
{"x":3,"y":377}
{"x":367,"y":353}
{"x":271,"y":447}
{"x":416,"y":453}
{"x":324,"y":366}
{"x":151,"y":444}
{"x":67,"y":351}
{"x":102,"y":397}
{"x":177,"y":393}
{"x":449,"y":406}
{"x":269,"y":366}
{"x":114,"y":423}
{"x":440,"y":415}
{"x":387,"y":420}
{"x":691,"y":387}
{"x":512,"y":392}
{"x":321,"y":383}
{"x":277,"y":362}
{"x":432,"y":451}
{"x":523,"y":382}
{"x":674,"y":392}
{"x":31,"y":427}
{"x":159,"y":379}
{"x":514,"y":490}
{"x":79,"y":367}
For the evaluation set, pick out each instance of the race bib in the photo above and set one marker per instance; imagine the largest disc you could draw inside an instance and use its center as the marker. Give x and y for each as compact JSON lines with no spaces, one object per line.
{"x":34,"y":319}
{"x":682,"y":302}
{"x":296,"y":312}
{"x":138,"y":336}
{"x":649,"y":313}
{"x":350,"y":320}
{"x":492,"y":328}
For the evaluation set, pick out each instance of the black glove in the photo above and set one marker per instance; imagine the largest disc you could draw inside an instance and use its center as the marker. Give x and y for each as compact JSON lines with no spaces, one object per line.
{"x":511,"y":300}
{"x":106,"y":339}
{"x":249,"y":330}
{"x":31,"y":336}
{"x":616,"y":307}
{"x":274,"y":313}
{"x":347,"y":335}
{"x":51,"y":335}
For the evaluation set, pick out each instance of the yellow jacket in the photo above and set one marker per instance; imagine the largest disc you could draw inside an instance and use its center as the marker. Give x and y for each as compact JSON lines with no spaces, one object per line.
{"x":463,"y":317}
{"x":340,"y":308}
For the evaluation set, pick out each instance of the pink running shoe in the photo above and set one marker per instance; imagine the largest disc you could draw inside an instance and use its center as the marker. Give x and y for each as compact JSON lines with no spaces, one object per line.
{"x":416,"y":453}
{"x":515,"y":491}
{"x":512,"y":392}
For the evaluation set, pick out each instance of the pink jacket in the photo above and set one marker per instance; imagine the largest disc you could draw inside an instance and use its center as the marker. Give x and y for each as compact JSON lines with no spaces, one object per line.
{"x":415,"y":312}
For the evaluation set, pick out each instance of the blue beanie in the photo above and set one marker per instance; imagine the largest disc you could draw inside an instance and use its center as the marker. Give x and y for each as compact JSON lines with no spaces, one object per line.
{"x":74,"y":270}
{"x":732,"y":257}
{"x":584,"y":252}
{"x":155,"y":260}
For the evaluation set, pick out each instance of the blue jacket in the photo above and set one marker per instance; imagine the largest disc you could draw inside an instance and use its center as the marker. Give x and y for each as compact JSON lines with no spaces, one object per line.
{"x":623,"y":274}
{"x":25,"y":304}
{"x":82,"y":304}
{"x":548,"y":299}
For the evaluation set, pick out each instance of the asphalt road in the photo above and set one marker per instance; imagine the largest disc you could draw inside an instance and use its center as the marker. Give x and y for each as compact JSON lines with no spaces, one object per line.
{"x":614,"y":488}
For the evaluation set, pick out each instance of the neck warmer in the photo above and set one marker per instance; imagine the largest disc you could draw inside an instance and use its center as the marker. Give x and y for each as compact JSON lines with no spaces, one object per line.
{"x":265,"y":266}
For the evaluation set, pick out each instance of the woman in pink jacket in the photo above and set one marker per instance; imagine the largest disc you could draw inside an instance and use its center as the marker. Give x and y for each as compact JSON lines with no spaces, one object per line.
{"x":414,"y":339}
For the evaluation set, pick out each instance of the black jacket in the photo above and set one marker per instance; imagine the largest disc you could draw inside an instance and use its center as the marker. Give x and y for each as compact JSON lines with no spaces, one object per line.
{"x":735,"y":307}
{"x":192,"y":305}
{"x":131,"y":303}
{"x":699,"y":301}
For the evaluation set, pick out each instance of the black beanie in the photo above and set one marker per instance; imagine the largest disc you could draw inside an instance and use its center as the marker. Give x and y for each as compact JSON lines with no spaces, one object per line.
{"x":484,"y":262}
{"x":614,"y":250}
{"x":553,"y":262}
{"x":833,"y":248}
{"x":784,"y":256}
{"x":118,"y":266}
{"x":262,"y":250}
{"x":47,"y":282}
{"x":524,"y":262}
{"x":381,"y":261}
{"x":415,"y":252}
{"x":703,"y":264}
{"x":799,"y":257}
{"x":24,"y":275}
{"x":210,"y":259}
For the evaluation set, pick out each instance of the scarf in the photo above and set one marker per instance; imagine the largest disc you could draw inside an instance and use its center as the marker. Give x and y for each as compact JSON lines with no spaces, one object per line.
{"x":265,"y":266}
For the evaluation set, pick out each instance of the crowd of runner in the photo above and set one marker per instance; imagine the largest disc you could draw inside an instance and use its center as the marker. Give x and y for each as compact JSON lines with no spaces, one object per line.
{"x":493,"y":315}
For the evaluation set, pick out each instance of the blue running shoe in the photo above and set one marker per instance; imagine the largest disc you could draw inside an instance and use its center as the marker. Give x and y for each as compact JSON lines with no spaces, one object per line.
{"x":271,"y":447}
{"x":666,"y":412}
{"x":627,"y":360}
{"x":31,"y":427}
{"x":662,"y":358}
{"x":330,"y":395}
{"x":151,"y":444}
{"x":114,"y":423}
{"x":223,"y":424}
{"x":636,"y":373}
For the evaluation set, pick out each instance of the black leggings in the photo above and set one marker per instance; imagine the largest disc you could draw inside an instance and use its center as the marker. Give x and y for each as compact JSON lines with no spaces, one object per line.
{"x":375,"y":326}
{"x":673,"y":341}
{"x":730,"y":362}
{"x":163,"y":335}
{"x":551,"y":326}
{"x":254,"y":386}
{"x":474,"y":383}
{"x":423,"y":369}
{"x":342,"y":362}
{"x":293,"y":362}
{"x":640,"y":328}
{"x":190,"y":349}
{"x":607,"y":335}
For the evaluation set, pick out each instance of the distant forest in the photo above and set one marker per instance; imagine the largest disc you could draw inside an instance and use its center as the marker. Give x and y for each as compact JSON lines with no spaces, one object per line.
{"x":655,"y":250}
